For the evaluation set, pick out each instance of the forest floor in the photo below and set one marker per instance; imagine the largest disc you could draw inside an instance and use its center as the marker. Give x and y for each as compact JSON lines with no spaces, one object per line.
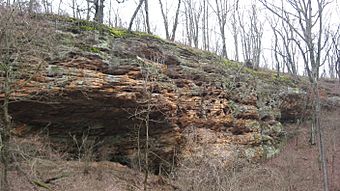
{"x":42,"y":175}
{"x":299,"y":163}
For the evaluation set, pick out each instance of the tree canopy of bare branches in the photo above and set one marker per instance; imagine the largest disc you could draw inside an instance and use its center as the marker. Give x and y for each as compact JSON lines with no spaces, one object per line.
{"x":221,"y":9}
{"x":19,"y":35}
{"x":165,"y":13}
{"x":306,"y":20}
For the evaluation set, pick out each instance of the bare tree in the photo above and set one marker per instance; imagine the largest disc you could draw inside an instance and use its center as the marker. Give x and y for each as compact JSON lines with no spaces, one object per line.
{"x":99,"y":11}
{"x":311,"y":43}
{"x":135,"y":14}
{"x":74,"y":8}
{"x":143,"y":114}
{"x":89,"y":8}
{"x":146,"y":8}
{"x":251,"y":37}
{"x":96,"y":5}
{"x":334,"y":57}
{"x":117,"y":19}
{"x":139,"y":22}
{"x":187,"y":22}
{"x":285,"y":49}
{"x":235,"y":28}
{"x":165,"y":19}
{"x":59,"y":6}
{"x":276,"y":48}
{"x":18,"y":36}
{"x":47,"y":6}
{"x":221,"y":9}
{"x":192,"y":14}
{"x":110,"y":13}
{"x":148,"y":95}
{"x":205,"y":25}
{"x":175,"y":24}
{"x":165,"y":13}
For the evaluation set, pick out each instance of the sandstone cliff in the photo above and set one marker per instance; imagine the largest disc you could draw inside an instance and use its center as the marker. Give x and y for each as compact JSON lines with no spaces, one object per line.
{"x":106,"y":81}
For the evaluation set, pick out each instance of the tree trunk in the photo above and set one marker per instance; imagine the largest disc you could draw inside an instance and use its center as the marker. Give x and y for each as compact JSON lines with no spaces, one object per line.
{"x":187,"y":23}
{"x":312,"y":138}
{"x":74,"y":8}
{"x":235,"y":36}
{"x":99,"y":11}
{"x":110,"y":13}
{"x":174,"y":28}
{"x":147,"y":123}
{"x":147,"y":148}
{"x":59,"y":6}
{"x":208,"y":33}
{"x":321,"y":141}
{"x":88,"y":10}
{"x":135,"y":14}
{"x":196,"y":24}
{"x":165,"y":20}
{"x":204,"y":28}
{"x":221,"y":12}
{"x":5,"y":134}
{"x":146,"y":7}
{"x":224,"y":46}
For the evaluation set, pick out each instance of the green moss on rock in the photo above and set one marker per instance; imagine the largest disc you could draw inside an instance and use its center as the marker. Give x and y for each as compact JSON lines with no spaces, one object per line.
{"x":269,"y":151}
{"x":231,"y":64}
{"x":118,"y":33}
{"x":94,"y":50}
{"x":87,"y":28}
{"x":254,"y":153}
{"x":253,"y":125}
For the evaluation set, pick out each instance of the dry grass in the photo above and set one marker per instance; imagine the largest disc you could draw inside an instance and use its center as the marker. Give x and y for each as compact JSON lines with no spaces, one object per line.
{"x":38,"y":165}
{"x":207,"y":176}
{"x":299,"y":162}
{"x":69,"y":176}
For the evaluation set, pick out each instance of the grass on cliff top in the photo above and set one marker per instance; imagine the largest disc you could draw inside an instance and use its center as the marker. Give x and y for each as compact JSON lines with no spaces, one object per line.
{"x":261,"y":73}
{"x":78,"y":25}
{"x":271,"y":76}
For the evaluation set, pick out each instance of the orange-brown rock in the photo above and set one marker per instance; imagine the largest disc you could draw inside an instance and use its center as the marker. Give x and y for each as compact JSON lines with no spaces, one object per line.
{"x":110,"y":92}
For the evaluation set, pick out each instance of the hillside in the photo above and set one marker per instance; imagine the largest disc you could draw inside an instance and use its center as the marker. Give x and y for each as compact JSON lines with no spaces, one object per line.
{"x":100,"y":88}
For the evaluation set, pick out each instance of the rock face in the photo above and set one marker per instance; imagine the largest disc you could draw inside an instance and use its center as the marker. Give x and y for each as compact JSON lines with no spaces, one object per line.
{"x":294,"y":104}
{"x":111,"y":84}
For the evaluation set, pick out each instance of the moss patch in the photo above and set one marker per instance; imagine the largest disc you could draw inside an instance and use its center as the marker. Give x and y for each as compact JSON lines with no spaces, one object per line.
{"x":271,"y":76}
{"x":87,"y":48}
{"x":94,"y":50}
{"x":117,"y":32}
{"x":231,"y":64}
{"x":121,"y":33}
{"x":143,"y":34}
{"x":87,"y":28}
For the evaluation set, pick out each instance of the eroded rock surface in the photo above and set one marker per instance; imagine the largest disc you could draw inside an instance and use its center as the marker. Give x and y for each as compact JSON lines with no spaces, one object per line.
{"x":106,"y":84}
